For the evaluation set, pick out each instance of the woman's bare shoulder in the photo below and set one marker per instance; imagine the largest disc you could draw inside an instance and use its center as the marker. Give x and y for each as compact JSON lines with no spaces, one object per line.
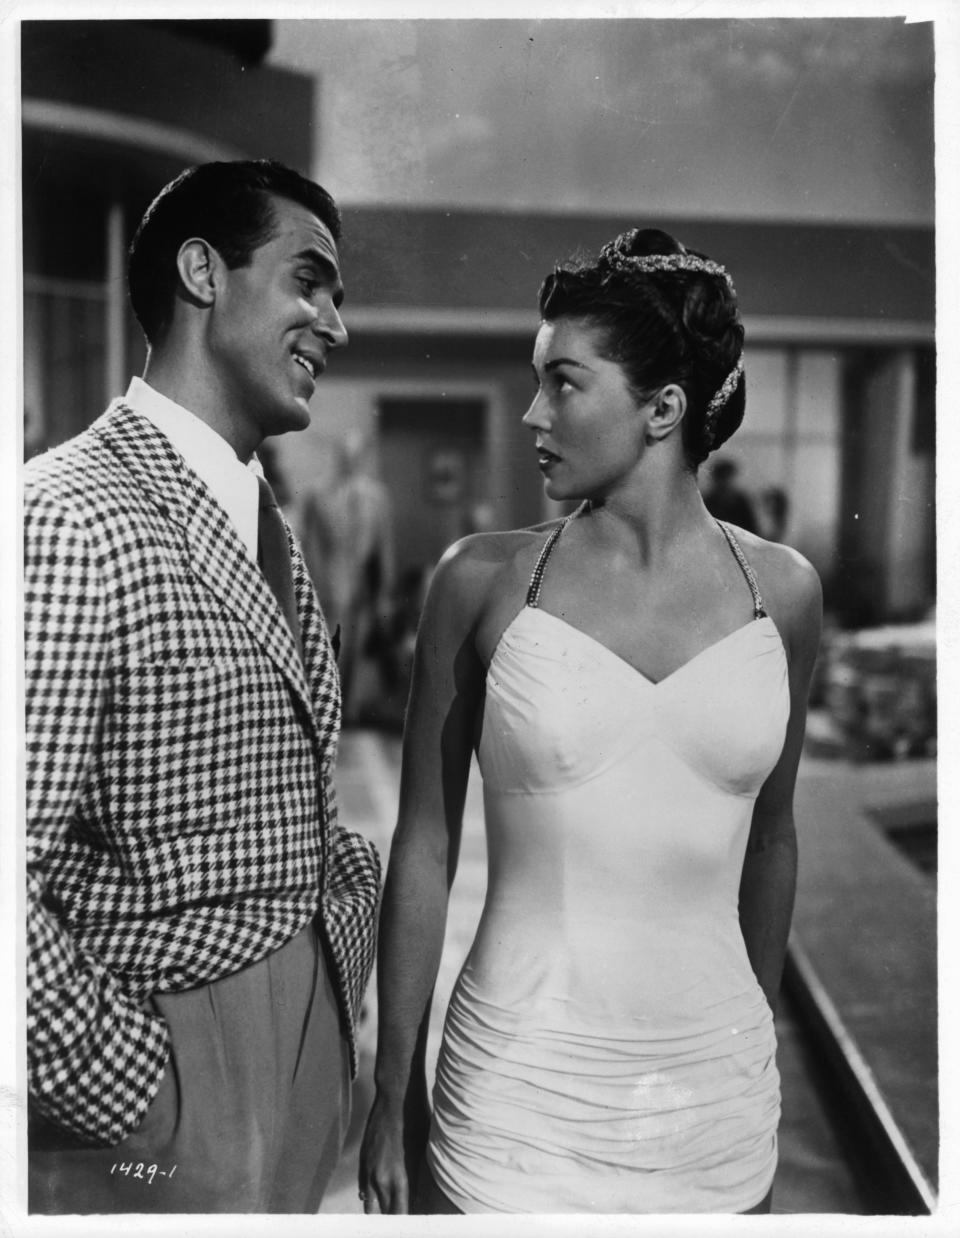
{"x":784,"y":569}
{"x":470,"y":569}
{"x":789,"y":585}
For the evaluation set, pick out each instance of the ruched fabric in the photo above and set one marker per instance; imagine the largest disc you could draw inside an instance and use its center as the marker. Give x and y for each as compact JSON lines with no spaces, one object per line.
{"x":607,"y":1047}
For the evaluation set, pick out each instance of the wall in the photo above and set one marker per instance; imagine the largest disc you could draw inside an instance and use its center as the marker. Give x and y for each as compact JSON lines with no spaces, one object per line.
{"x":790,"y":436}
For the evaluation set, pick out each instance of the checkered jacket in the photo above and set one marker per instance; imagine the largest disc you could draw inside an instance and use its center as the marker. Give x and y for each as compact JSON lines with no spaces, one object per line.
{"x":181,"y":817}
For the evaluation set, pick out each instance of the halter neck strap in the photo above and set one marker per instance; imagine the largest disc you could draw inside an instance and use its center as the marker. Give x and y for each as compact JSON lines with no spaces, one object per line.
{"x":758,"y":610}
{"x":536,"y":580}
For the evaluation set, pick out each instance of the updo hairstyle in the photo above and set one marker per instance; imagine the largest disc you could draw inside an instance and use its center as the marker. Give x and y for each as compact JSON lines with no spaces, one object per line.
{"x":662,"y":326}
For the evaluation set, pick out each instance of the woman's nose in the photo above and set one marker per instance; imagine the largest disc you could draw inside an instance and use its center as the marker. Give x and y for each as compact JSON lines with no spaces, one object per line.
{"x":536,"y":415}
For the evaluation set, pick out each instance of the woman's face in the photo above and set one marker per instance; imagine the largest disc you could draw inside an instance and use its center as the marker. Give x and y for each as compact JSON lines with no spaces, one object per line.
{"x":589,"y":426}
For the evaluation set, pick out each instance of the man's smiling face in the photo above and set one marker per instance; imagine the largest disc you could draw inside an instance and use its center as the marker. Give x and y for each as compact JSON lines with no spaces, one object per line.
{"x":274,"y":322}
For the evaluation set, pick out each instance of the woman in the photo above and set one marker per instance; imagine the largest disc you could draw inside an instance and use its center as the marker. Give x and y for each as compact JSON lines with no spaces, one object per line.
{"x":634,"y":678}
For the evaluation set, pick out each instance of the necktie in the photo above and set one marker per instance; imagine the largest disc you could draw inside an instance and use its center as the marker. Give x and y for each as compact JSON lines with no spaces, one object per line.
{"x":273,"y":556}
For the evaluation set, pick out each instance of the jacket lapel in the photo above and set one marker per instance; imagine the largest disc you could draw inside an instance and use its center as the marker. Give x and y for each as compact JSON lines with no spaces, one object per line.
{"x":217,"y":556}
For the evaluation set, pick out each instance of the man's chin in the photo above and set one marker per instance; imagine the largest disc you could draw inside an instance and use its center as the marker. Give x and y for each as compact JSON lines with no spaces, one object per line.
{"x":296,"y":416}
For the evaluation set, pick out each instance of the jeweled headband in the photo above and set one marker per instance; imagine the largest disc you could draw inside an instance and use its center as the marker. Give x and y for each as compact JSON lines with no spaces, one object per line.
{"x":649,"y":263}
{"x":665,"y":262}
{"x":720,"y":398}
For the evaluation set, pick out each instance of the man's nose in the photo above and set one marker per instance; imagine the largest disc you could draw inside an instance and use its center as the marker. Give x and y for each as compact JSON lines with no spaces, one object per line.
{"x":329,"y":326}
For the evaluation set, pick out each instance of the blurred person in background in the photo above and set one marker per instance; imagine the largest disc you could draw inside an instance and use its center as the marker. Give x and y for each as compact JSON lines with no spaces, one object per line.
{"x":399,"y":644}
{"x":200,"y":929}
{"x":726,"y":499}
{"x":347,"y":540}
{"x":773,"y":513}
{"x":633,"y":679}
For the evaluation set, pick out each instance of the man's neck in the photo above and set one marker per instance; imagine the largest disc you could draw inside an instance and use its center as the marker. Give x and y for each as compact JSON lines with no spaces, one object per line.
{"x":183,"y":383}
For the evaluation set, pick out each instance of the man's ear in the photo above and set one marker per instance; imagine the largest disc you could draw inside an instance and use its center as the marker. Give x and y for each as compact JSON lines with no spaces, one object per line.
{"x":198,"y":264}
{"x":669,"y":406}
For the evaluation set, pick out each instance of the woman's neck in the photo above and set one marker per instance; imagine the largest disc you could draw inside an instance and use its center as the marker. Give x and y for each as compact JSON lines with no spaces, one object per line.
{"x":647,"y":522}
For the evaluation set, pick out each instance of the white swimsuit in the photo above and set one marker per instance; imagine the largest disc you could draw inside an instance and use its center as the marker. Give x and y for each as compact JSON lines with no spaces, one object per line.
{"x":607,"y":1047}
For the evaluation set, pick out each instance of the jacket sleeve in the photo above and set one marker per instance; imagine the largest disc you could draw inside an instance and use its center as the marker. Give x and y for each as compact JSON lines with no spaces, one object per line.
{"x":94,"y":1057}
{"x":351,"y":902}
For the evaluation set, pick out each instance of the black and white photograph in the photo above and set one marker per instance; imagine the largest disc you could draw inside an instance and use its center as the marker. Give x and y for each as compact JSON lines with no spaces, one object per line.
{"x":480,"y":619}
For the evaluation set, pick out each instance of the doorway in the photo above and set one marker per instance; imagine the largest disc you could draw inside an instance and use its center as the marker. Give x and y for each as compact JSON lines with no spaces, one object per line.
{"x":433,"y":463}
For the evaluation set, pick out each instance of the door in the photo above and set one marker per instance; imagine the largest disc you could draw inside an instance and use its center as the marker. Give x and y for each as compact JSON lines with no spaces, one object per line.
{"x":433,"y":462}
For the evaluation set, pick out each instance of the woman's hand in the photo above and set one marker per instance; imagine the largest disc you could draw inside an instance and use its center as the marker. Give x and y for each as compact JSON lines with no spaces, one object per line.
{"x":391,"y":1156}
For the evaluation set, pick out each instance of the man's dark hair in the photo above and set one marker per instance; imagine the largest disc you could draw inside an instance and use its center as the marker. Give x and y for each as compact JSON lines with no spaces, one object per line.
{"x":228,"y":205}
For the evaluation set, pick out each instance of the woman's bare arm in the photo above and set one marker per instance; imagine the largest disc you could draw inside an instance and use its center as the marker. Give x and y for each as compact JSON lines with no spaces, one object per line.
{"x":768,"y":880}
{"x":445,"y":697}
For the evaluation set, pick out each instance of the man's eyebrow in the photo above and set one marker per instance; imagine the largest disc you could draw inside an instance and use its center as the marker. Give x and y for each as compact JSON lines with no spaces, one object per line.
{"x":319,"y":258}
{"x":322,"y":260}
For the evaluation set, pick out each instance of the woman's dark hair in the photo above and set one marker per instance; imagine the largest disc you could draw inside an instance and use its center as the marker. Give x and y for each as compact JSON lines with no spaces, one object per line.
{"x":662,"y":326}
{"x":228,"y":205}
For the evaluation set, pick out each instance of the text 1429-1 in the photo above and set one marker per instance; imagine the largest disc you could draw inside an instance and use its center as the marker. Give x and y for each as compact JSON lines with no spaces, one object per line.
{"x":140,"y":1170}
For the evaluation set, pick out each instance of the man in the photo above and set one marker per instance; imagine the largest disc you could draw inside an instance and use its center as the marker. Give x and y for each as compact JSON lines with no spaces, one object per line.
{"x":200,"y":928}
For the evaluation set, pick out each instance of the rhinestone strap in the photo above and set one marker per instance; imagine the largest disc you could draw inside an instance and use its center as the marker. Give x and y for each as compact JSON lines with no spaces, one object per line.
{"x":758,"y":611}
{"x":536,"y":580}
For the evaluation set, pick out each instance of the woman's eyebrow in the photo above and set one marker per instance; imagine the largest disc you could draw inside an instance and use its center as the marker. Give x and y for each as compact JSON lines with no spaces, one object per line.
{"x":556,"y":363}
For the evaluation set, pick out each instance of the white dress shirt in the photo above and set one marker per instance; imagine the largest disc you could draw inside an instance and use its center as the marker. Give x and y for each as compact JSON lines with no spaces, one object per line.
{"x":232,"y":484}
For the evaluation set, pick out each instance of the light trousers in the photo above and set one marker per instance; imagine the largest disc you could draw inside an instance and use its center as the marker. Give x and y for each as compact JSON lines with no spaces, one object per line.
{"x":252,"y":1109}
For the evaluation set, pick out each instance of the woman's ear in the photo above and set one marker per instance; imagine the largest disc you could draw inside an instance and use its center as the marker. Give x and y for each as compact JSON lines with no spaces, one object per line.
{"x":669,"y":408}
{"x":197,"y":263}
